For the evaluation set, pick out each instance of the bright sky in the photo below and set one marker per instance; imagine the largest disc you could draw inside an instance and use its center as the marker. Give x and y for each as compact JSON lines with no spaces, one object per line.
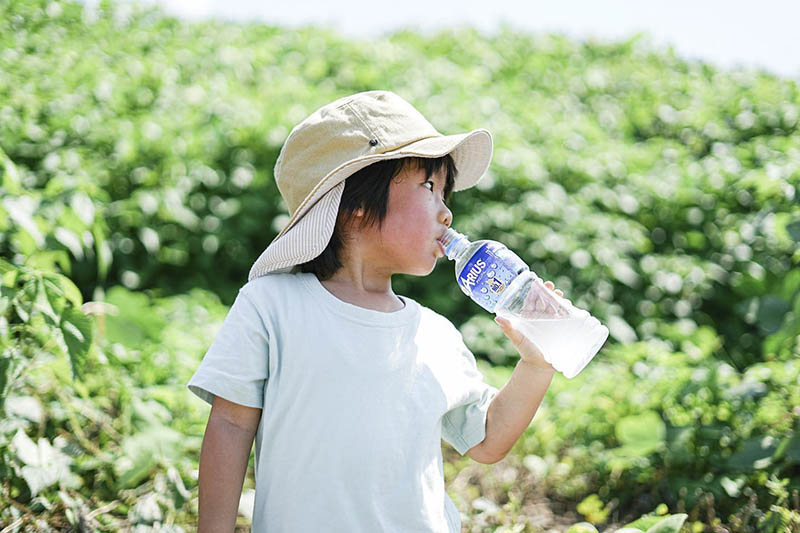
{"x":724,"y":32}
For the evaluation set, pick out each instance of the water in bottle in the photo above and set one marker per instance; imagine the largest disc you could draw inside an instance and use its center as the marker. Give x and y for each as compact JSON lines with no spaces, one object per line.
{"x":499,"y":281}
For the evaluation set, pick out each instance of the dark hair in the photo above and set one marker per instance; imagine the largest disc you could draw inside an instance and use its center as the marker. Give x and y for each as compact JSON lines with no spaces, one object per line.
{"x":369,"y":188}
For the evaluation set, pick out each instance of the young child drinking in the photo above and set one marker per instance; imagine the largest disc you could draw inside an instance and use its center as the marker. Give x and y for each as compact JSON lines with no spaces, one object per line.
{"x":346,"y":387}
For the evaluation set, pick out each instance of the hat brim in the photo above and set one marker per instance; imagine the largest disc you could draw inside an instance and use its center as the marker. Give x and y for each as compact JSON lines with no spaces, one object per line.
{"x":310,"y":228}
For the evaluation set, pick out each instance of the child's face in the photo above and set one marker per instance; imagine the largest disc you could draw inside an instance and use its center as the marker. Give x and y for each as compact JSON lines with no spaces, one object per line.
{"x":416,"y":216}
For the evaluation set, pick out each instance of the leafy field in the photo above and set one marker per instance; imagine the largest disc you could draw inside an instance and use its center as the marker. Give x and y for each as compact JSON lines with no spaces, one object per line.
{"x":136,"y":189}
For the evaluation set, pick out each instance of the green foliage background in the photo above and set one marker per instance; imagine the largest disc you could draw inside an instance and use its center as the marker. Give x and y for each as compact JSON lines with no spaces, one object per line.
{"x":136,"y":156}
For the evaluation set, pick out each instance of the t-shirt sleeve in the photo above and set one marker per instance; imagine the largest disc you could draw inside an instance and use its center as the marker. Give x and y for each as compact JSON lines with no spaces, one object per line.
{"x":236,"y":366}
{"x":464,"y":426}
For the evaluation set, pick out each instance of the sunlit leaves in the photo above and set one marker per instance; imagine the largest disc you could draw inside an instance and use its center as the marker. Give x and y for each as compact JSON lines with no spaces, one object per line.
{"x":43,"y":464}
{"x":658,"y":193}
{"x":77,"y":330}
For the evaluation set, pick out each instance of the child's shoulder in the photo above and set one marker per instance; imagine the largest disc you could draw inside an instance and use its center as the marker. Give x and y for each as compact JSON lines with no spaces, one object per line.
{"x":436,"y":320}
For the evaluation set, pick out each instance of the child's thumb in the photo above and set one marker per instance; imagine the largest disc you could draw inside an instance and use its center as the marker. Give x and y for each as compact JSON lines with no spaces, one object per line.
{"x":503,"y":323}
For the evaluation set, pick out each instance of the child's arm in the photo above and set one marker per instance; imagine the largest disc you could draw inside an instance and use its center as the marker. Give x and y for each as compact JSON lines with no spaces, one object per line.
{"x":223,"y":463}
{"x":512,"y":409}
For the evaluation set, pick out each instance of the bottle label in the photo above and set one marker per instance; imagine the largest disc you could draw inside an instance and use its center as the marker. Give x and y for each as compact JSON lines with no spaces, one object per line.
{"x":488,"y":272}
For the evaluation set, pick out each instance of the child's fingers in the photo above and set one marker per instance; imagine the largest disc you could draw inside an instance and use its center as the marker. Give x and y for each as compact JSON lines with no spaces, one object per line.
{"x":527,"y":350}
{"x":513,"y":335}
{"x":550,"y":285}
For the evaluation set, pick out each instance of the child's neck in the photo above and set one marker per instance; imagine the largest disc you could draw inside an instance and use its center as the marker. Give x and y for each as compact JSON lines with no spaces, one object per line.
{"x":373,"y":293}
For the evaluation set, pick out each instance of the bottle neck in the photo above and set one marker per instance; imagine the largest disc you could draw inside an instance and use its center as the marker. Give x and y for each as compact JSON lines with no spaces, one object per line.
{"x":454,"y":243}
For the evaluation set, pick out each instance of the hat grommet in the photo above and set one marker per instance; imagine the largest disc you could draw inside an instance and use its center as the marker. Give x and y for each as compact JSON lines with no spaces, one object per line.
{"x":373,"y":142}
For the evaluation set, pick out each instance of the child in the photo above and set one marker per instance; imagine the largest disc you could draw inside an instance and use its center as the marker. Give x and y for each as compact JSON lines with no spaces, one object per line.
{"x":346,"y":387}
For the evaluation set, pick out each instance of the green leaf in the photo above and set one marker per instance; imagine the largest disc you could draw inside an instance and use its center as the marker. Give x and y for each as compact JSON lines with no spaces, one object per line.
{"x":645,"y":522}
{"x":78,"y":334}
{"x":144,"y":451}
{"x":793,"y":229}
{"x":791,"y":285}
{"x":70,"y":240}
{"x":20,"y":210}
{"x":6,"y":267}
{"x":670,"y":524}
{"x":732,"y":487}
{"x":755,"y":454}
{"x":41,"y":302}
{"x":22,"y":310}
{"x":5,"y":301}
{"x":135,"y":323}
{"x":793,"y":449}
{"x":620,"y":330}
{"x":27,"y":407}
{"x":146,"y":510}
{"x":179,"y":492}
{"x":10,"y":182}
{"x":54,"y":294}
{"x":44,"y":464}
{"x":593,"y":509}
{"x":771,"y":311}
{"x":67,"y":287}
{"x":581,"y":527}
{"x":6,"y":376}
{"x":641,"y":434}
{"x":10,"y":277}
{"x":134,"y":468}
{"x":47,"y":260}
{"x":102,"y":251}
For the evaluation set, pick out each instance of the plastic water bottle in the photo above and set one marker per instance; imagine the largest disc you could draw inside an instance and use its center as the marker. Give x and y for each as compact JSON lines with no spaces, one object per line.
{"x":500,"y":282}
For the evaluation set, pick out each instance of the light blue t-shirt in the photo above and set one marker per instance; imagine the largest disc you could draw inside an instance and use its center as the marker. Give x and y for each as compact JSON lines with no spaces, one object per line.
{"x":355,"y":404}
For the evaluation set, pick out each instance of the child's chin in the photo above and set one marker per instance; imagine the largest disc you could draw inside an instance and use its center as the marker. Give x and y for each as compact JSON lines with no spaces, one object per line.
{"x":428,"y":270}
{"x":420,"y":270}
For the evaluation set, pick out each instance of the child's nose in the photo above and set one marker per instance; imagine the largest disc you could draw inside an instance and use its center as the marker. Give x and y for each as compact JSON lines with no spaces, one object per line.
{"x":446,"y":217}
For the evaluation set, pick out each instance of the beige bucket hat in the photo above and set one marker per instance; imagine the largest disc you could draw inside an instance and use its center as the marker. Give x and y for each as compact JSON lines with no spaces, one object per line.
{"x":336,"y":141}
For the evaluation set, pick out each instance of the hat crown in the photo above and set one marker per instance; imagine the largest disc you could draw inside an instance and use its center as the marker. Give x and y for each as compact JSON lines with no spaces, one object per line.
{"x":359,"y":125}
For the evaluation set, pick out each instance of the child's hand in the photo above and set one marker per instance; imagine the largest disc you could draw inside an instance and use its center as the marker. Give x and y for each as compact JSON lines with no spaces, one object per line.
{"x":552,"y":287}
{"x":528,"y":351}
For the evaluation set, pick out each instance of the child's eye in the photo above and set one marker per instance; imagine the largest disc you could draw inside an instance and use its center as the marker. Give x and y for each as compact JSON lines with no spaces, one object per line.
{"x":429,"y":181}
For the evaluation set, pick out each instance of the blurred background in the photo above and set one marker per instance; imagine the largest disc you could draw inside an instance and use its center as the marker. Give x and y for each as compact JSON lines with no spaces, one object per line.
{"x":646,"y":161}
